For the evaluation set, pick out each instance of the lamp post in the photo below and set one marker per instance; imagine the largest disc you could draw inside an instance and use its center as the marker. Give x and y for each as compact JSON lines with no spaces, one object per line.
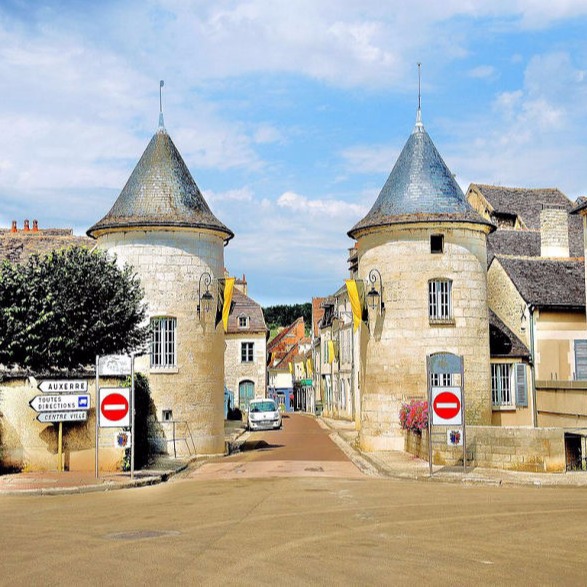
{"x":375,"y":294}
{"x":204,"y":299}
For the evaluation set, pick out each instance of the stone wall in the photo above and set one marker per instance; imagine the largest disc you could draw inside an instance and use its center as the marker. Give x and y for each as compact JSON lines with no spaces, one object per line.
{"x":554,"y":232}
{"x":30,"y":445}
{"x":169,"y":264}
{"x":393,"y":354}
{"x":537,"y":450}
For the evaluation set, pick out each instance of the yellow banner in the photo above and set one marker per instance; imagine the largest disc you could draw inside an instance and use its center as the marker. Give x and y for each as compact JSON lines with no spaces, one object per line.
{"x":330,"y":351}
{"x":228,"y":287}
{"x":309,"y":367}
{"x":356,"y":305}
{"x":290,"y":368}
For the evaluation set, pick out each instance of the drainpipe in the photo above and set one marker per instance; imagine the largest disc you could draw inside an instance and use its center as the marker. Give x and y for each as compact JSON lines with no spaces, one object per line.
{"x":533,"y":367}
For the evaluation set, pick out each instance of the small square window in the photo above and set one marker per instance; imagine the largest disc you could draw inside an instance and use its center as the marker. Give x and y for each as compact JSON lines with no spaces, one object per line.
{"x":243,"y":321}
{"x":437,"y":243}
{"x":167,"y":415}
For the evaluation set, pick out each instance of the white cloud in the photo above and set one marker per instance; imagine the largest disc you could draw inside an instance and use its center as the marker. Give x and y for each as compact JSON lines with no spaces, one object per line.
{"x":324,"y":208}
{"x":483,"y":72}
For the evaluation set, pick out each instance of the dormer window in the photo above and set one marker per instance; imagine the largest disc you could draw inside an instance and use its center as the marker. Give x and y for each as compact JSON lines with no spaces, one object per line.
{"x":437,"y":244}
{"x":243,"y":321}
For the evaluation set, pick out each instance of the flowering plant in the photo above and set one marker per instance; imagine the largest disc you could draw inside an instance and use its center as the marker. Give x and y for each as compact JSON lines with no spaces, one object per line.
{"x":414,"y":416}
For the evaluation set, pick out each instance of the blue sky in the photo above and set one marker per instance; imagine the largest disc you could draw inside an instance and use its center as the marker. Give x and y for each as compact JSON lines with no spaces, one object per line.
{"x":290,"y":114}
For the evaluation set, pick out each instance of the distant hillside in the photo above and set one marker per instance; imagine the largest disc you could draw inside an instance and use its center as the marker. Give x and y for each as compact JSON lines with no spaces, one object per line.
{"x":284,"y":315}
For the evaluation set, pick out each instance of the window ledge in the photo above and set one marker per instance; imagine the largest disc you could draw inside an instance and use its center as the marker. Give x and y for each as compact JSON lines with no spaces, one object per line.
{"x":504,"y":408}
{"x":163,"y":370}
{"x":442,"y":321}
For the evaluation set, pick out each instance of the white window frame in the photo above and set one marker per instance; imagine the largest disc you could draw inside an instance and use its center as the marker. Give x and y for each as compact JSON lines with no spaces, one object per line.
{"x":441,"y":379}
{"x":440,"y":301}
{"x":247,"y":352}
{"x":503,"y":385}
{"x":243,"y":321}
{"x":163,"y":353}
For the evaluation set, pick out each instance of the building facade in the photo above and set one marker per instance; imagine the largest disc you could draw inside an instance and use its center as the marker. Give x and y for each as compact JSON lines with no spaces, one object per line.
{"x":161,"y":226}
{"x":422,"y":247}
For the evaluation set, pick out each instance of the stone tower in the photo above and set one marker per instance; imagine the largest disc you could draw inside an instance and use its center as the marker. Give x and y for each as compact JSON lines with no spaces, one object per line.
{"x":161,"y":226}
{"x":429,"y":246}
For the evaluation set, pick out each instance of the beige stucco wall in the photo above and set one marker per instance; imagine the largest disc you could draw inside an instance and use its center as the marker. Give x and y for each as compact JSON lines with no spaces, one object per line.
{"x":26,"y":443}
{"x":169,"y":264}
{"x":562,"y":403}
{"x":555,"y":333}
{"x":236,"y":371}
{"x":393,"y":358}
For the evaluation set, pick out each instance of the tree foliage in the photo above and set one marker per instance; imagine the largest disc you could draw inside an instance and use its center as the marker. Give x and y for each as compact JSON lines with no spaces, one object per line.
{"x":285,"y":315}
{"x":61,"y":310}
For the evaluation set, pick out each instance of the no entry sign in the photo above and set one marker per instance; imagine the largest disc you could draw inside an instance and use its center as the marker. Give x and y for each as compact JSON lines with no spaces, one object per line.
{"x":114,"y":407}
{"x":446,"y":406}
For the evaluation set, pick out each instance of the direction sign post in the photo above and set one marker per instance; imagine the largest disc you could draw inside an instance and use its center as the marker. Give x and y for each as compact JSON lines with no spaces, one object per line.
{"x":54,"y":417}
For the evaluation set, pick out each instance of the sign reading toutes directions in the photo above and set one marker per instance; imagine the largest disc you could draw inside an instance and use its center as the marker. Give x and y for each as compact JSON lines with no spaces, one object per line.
{"x":114,"y":407}
{"x":446,"y":406}
{"x":60,"y":403}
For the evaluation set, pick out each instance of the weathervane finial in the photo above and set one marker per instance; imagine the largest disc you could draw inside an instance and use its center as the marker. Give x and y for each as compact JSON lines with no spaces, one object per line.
{"x":161,"y":125}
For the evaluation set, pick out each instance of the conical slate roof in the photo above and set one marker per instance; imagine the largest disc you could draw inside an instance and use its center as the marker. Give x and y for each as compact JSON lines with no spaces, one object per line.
{"x":420,"y":188}
{"x":160,"y":192}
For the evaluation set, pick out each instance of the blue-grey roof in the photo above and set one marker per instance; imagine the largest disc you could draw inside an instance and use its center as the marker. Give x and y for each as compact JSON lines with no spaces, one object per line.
{"x":420,"y":188}
{"x":160,"y":192}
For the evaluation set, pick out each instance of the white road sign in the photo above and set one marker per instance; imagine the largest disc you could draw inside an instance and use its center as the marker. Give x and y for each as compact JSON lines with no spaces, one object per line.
{"x":114,"y":365}
{"x":77,"y":416}
{"x":63,"y":386}
{"x":60,"y":403}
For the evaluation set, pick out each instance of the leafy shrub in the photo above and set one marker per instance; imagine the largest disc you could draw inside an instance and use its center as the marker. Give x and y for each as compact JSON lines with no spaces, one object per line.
{"x":414,"y":416}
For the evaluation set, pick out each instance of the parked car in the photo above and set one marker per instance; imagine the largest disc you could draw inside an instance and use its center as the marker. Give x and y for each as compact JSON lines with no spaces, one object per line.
{"x":263,"y":415}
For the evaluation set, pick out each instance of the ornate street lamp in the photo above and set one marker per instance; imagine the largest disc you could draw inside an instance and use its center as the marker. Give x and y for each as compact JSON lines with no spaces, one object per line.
{"x":375,"y":294}
{"x":204,"y":299}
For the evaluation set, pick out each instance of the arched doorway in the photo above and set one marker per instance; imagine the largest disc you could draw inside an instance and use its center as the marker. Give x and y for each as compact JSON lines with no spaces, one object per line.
{"x":246,"y":392}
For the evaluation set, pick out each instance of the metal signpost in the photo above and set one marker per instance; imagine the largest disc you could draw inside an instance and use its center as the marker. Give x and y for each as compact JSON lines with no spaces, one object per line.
{"x":446,"y":403}
{"x":115,"y":407}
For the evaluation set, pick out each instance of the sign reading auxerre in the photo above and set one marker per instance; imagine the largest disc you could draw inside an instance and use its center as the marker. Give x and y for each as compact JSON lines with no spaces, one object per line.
{"x":63,"y":386}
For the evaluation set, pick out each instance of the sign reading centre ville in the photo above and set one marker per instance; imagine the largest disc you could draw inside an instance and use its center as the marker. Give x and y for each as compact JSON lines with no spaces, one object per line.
{"x":447,"y":407}
{"x":114,"y":407}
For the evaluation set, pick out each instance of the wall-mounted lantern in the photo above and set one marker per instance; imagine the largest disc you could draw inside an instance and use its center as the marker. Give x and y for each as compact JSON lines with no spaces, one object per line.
{"x":204,"y":299}
{"x":375,"y":294}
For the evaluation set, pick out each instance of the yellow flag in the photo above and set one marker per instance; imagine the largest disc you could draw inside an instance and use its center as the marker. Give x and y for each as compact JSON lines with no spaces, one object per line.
{"x":228,"y":287}
{"x":290,"y":368}
{"x":309,"y":367}
{"x":330,"y":351}
{"x":356,"y":306}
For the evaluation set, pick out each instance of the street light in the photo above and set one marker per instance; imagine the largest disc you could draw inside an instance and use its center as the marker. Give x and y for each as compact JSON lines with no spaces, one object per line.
{"x":204,"y":299}
{"x":375,"y":294}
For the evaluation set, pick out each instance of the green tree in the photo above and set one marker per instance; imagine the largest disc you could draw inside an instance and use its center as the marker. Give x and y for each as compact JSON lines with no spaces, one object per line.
{"x":284,"y":315}
{"x":61,"y":310}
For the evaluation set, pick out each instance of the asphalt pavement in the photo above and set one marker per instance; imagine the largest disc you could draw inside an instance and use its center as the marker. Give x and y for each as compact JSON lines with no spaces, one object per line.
{"x":381,"y":464}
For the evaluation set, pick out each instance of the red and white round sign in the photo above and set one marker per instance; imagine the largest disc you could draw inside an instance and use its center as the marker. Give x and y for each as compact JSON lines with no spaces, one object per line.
{"x":446,"y":406}
{"x":114,"y":407}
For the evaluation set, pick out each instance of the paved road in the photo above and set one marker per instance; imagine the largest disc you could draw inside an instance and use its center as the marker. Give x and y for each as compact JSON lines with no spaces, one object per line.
{"x":301,"y":448}
{"x":302,"y":530}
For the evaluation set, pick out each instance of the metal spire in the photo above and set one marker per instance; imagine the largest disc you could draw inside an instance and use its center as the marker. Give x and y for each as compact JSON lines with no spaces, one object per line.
{"x":161,"y":124}
{"x":419,"y":114}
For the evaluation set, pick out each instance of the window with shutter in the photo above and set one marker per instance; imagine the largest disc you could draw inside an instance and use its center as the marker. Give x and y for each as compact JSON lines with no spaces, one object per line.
{"x":581,"y":359}
{"x":521,"y":387}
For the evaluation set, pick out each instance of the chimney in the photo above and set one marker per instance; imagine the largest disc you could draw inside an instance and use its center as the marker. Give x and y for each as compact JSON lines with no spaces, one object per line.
{"x":26,"y":228}
{"x":14,"y":229}
{"x":35,"y":226}
{"x":554,"y":232}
